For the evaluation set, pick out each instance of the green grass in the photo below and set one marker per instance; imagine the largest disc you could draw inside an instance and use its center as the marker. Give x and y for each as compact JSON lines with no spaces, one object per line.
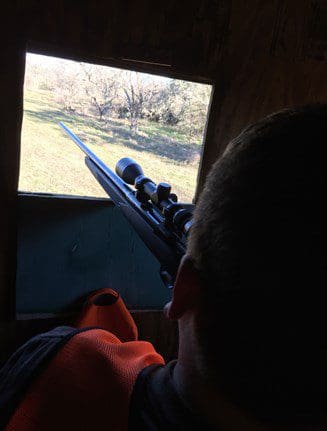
{"x":52,"y":163}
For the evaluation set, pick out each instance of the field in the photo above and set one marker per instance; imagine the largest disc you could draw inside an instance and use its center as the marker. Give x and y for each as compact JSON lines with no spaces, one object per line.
{"x":52,"y":163}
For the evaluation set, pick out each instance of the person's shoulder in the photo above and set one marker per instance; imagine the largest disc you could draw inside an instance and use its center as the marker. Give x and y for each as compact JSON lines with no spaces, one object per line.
{"x":88,"y":383}
{"x":96,"y":364}
{"x":104,"y":349}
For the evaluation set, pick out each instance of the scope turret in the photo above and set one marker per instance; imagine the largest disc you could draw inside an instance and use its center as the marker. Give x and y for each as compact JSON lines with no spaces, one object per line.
{"x":159,"y":194}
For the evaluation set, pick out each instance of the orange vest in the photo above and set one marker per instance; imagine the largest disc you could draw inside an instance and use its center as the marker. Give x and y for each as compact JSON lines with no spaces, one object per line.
{"x":87,"y":386}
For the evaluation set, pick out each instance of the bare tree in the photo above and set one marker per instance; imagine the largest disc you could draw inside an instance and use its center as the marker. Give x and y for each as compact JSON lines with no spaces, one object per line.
{"x":138,"y":92}
{"x":101,"y":86}
{"x":67,"y":92}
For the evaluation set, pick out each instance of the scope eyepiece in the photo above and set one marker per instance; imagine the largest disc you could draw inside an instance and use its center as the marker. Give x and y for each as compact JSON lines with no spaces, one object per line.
{"x":128,"y":170}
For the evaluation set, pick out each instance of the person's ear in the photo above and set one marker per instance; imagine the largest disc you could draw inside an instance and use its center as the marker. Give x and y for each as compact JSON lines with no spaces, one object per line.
{"x":186,"y":290}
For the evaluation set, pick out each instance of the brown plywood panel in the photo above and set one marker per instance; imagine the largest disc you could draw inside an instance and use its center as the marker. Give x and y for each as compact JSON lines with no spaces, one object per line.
{"x":189,"y":36}
{"x":316,"y":47}
{"x":257,"y":89}
{"x":291,"y":29}
{"x":251,"y":28}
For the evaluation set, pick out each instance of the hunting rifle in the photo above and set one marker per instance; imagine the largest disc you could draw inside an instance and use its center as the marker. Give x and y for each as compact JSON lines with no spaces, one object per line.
{"x":153,"y":211}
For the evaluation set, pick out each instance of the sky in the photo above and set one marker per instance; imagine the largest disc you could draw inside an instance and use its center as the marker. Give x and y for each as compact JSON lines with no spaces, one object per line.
{"x":49,"y":62}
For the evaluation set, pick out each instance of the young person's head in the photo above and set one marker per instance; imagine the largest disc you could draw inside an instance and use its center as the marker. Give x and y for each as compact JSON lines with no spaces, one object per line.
{"x":258,"y":252}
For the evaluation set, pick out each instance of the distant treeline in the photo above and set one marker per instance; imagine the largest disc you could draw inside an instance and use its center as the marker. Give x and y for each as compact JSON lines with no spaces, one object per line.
{"x":106,"y":93}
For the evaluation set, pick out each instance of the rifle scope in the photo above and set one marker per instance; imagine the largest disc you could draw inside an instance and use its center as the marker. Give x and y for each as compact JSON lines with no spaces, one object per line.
{"x":159,"y":194}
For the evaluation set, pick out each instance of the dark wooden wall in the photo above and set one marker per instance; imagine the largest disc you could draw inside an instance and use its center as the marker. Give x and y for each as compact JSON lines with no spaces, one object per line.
{"x":261,"y":56}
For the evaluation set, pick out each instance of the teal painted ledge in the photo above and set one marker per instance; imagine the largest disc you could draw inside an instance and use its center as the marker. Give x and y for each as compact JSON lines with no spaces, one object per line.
{"x":71,"y":246}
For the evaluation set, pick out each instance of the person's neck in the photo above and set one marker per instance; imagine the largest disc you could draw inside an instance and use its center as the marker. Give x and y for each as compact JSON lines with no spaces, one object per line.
{"x":209,"y":404}
{"x":200,"y":396}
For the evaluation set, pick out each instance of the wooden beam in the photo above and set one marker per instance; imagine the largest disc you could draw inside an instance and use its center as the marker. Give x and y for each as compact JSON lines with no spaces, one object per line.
{"x":11,"y":109}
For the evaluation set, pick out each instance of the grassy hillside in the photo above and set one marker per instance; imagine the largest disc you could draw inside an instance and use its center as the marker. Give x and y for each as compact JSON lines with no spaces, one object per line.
{"x":51,"y":162}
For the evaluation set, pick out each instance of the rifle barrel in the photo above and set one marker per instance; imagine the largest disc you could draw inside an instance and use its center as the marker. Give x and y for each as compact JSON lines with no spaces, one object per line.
{"x":95,"y":159}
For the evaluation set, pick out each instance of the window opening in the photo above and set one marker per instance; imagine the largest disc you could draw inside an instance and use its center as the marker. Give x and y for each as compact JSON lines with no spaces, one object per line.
{"x":160,"y":122}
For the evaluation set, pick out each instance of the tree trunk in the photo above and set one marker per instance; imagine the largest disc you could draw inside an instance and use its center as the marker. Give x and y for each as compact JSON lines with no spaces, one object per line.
{"x":133,"y":124}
